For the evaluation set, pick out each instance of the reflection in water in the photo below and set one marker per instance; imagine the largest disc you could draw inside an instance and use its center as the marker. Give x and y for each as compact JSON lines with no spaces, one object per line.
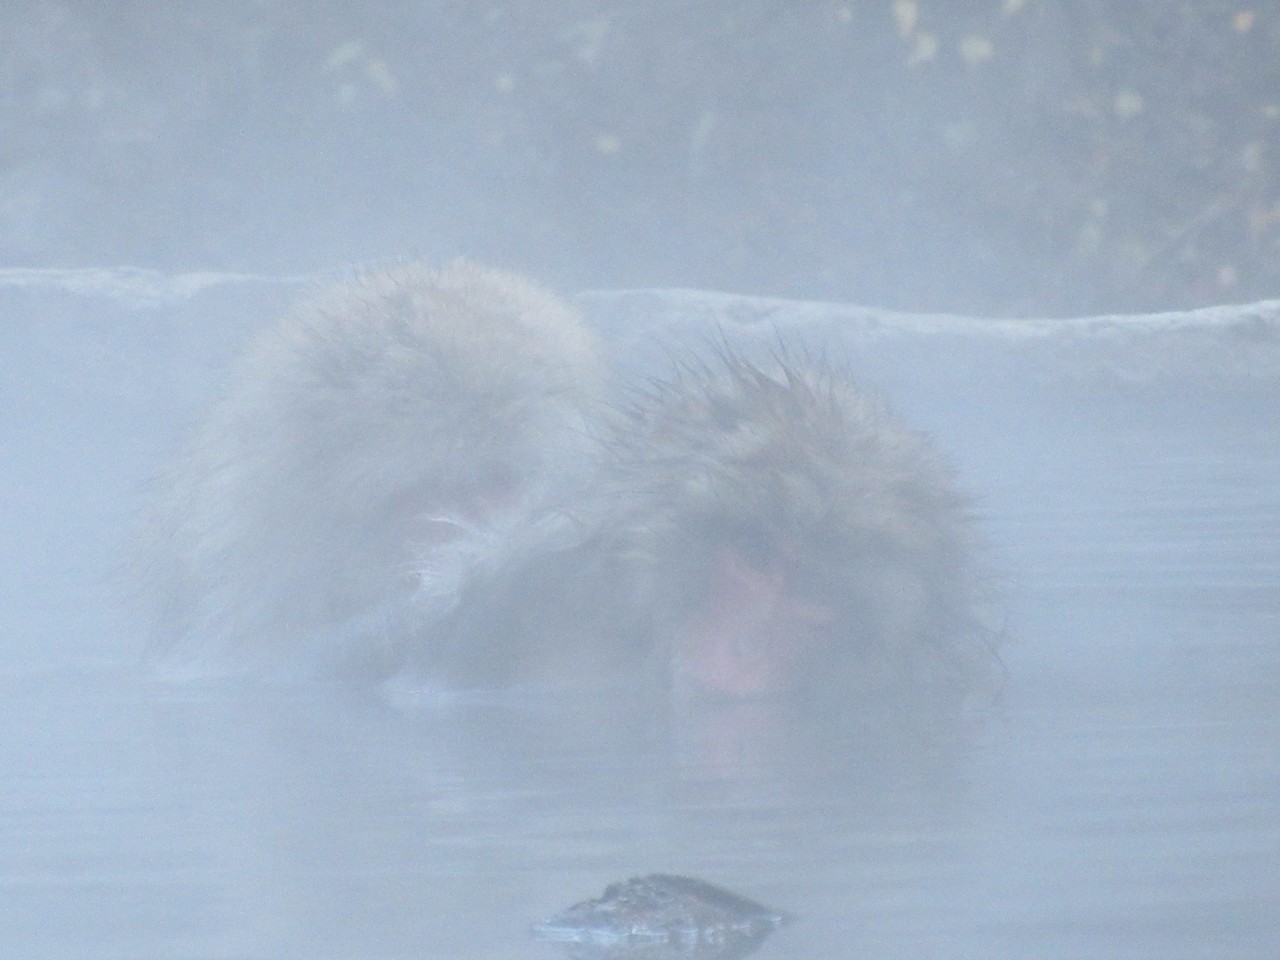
{"x":250,"y":818}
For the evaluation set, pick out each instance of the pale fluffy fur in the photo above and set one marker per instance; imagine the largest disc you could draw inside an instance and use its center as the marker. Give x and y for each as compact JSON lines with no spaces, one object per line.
{"x":415,"y":471}
{"x":348,"y":434}
{"x":788,"y":456}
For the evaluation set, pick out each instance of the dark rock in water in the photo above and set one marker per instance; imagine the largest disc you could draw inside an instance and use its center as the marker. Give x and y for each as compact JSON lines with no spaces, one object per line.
{"x":662,"y":916}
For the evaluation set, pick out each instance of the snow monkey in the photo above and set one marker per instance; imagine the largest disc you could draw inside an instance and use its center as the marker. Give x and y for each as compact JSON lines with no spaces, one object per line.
{"x":428,"y":470}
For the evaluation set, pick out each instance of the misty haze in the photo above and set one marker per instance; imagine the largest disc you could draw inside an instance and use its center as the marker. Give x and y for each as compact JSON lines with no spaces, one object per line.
{"x":458,"y":457}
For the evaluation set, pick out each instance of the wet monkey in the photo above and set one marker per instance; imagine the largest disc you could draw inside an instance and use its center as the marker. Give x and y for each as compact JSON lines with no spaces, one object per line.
{"x":752,"y":529}
{"x":424,"y":470}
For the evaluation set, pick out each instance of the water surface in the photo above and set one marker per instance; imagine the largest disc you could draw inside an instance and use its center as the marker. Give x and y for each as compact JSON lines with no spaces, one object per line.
{"x":1123,"y":801}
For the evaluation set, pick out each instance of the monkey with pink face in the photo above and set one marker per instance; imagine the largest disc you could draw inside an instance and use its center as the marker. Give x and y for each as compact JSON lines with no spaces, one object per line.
{"x":427,"y":470}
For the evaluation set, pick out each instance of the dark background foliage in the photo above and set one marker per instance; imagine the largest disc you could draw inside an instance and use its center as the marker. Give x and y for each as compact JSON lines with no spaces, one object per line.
{"x":1001,"y":157}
